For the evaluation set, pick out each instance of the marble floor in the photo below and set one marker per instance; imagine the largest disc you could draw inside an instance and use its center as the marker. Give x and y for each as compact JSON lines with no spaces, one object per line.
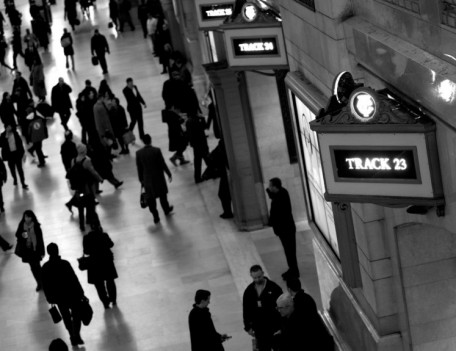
{"x":160,"y":266}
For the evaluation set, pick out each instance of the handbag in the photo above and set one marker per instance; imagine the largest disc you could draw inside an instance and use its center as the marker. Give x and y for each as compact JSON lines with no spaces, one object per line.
{"x":94,"y":60}
{"x":84,"y":263}
{"x":128,"y":137}
{"x":143,"y":199}
{"x":55,"y":314}
{"x":86,"y":311}
{"x":110,"y":25}
{"x":65,"y":42}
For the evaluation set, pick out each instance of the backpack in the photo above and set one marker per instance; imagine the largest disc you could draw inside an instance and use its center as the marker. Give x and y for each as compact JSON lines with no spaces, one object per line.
{"x":77,"y":176}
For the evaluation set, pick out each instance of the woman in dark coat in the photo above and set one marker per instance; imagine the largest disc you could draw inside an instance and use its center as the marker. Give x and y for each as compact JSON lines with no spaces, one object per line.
{"x":177,"y":139}
{"x":101,"y":270}
{"x":67,"y":43}
{"x":30,"y":244}
{"x":7,"y":110}
{"x":31,"y":54}
{"x":104,"y":88}
{"x":119,"y":123}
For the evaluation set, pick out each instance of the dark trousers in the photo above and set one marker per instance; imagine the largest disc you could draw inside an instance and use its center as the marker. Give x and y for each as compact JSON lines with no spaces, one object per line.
{"x":64,"y":118}
{"x":153,"y":205}
{"x":144,"y":27}
{"x":15,"y":162}
{"x":198,"y":157}
{"x":289,"y":246}
{"x":88,"y":209}
{"x":136,"y":115}
{"x":107,"y":291}
{"x":15,"y":55}
{"x":38,"y":147}
{"x":1,"y":196}
{"x":4,"y":244}
{"x":265,"y":341}
{"x":71,"y":318}
{"x":35,"y":267}
{"x":125,"y":18}
{"x":102,"y":61}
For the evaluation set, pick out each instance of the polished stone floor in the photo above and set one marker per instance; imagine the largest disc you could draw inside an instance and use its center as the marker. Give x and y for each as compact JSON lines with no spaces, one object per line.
{"x":160,"y":266}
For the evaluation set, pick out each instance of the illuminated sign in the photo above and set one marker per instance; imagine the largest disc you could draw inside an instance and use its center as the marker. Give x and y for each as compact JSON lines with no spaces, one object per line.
{"x":249,"y":12}
{"x":216,"y":11}
{"x":375,"y":164}
{"x":255,"y":46}
{"x":363,"y":104}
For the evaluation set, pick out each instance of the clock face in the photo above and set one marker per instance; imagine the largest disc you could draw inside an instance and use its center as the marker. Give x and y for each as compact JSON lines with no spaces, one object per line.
{"x":249,"y":12}
{"x":363,"y":104}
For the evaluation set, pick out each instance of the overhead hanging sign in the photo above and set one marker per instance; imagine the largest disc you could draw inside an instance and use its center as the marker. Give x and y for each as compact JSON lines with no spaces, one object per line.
{"x":262,"y":46}
{"x":212,"y":13}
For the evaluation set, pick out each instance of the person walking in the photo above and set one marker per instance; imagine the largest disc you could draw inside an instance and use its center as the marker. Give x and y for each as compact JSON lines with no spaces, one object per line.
{"x":7,"y":110}
{"x":99,"y":47}
{"x":151,"y":25}
{"x":3,"y":47}
{"x":37,"y":80}
{"x":3,"y":179}
{"x":101,"y":159}
{"x":261,"y":319}
{"x":151,"y":173}
{"x":30,"y":244}
{"x":134,"y":102}
{"x":71,"y":13}
{"x":142,"y":16}
{"x":101,"y":270}
{"x":66,"y":41}
{"x":114,"y":13}
{"x":37,"y":132}
{"x":13,"y":152}
{"x":61,"y":101}
{"x":62,"y":288}
{"x":105,"y":90}
{"x":282,"y":222}
{"x":31,"y":38}
{"x":119,"y":124}
{"x":21,"y":85}
{"x":85,"y":186}
{"x":31,"y":54}
{"x":16,"y":44}
{"x":5,"y":245}
{"x":124,"y":14}
{"x":68,"y":150}
{"x":102,"y":121}
{"x":221,"y":163}
{"x":198,"y":141}
{"x":203,"y":335}
{"x":176,"y":136}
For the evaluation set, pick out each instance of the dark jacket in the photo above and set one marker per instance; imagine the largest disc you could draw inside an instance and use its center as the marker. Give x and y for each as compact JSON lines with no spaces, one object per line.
{"x":151,"y":168}
{"x":203,"y":335}
{"x":5,"y":146}
{"x":60,"y":283}
{"x":68,"y":152}
{"x":118,"y":119}
{"x":176,"y":136}
{"x":176,"y":94}
{"x":7,"y":113}
{"x":60,"y":98}
{"x":23,"y":85}
{"x":3,"y":173}
{"x":264,"y":318}
{"x":99,"y":45}
{"x":281,"y":216}
{"x":196,"y":127}
{"x":68,"y":50}
{"x":30,"y":255}
{"x":101,"y":267}
{"x":133,"y":101}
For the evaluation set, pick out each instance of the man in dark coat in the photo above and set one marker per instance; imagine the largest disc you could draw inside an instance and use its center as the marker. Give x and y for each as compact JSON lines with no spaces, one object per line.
{"x":134,"y":102}
{"x":195,"y":131}
{"x":20,"y":82}
{"x":301,"y":330}
{"x":62,"y":288}
{"x":13,"y":152}
{"x":7,"y":110}
{"x":176,"y":136}
{"x":3,"y":178}
{"x":151,"y":173}
{"x":68,"y":150}
{"x":61,"y":102}
{"x":99,"y":47}
{"x":203,"y":335}
{"x":282,"y":222}
{"x":261,"y":319}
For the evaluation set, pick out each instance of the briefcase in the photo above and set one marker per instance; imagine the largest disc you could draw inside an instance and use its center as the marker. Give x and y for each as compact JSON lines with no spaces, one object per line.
{"x":55,"y":314}
{"x":143,"y":199}
{"x":128,"y":137}
{"x":86,"y":311}
{"x":94,"y":60}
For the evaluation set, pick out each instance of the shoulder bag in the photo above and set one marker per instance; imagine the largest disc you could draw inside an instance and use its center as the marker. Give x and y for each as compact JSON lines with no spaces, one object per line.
{"x":84,"y":263}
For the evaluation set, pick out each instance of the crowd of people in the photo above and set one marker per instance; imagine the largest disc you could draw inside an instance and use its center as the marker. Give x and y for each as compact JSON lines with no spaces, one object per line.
{"x":272,"y":318}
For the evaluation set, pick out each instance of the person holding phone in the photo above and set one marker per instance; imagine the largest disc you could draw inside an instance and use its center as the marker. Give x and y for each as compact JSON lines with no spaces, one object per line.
{"x":30,"y":244}
{"x":203,"y":335}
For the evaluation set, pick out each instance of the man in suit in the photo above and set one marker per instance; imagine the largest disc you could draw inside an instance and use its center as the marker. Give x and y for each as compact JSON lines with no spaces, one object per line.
{"x":61,"y":287}
{"x":151,"y":173}
{"x":134,"y":101}
{"x":12,"y":152}
{"x":20,"y":82}
{"x":99,"y":47}
{"x":61,"y":101}
{"x":282,"y":222}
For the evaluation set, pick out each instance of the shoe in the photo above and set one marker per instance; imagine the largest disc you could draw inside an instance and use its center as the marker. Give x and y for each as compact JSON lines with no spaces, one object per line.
{"x":9,"y":247}
{"x":45,"y":156}
{"x":73,"y":341}
{"x":70,"y":208}
{"x":83,"y":228}
{"x":226,"y":215}
{"x":173,"y":161}
{"x":99,"y":191}
{"x":2,"y":209}
{"x":15,"y":182}
{"x":105,"y":72}
{"x":184,"y":162}
{"x":38,"y":288}
{"x":31,"y":152}
{"x":106,"y":305}
{"x":156,"y":220}
{"x":40,"y":165}
{"x":197,"y":181}
{"x":124,"y":152}
{"x":25,"y":186}
{"x":67,"y":64}
{"x":170,"y":209}
{"x":118,"y":185}
{"x":79,"y":340}
{"x":114,"y":303}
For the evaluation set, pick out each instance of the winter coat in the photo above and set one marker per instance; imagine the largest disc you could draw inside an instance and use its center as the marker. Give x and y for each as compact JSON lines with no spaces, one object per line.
{"x":60,"y":98}
{"x":203,"y":335}
{"x":29,"y":255}
{"x":37,"y":81}
{"x":281,"y":216}
{"x":5,"y":146}
{"x":151,"y":171}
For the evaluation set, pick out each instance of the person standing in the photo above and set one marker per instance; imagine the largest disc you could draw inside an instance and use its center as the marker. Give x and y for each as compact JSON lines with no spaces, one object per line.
{"x":114,"y":13}
{"x":282,"y":222}
{"x":67,"y":44}
{"x":71,"y":13}
{"x":99,"y":47}
{"x":30,"y":244}
{"x":134,"y":102}
{"x":101,"y":270}
{"x":261,"y":319}
{"x":198,"y":141}
{"x":151,"y":25}
{"x":151,"y":173}
{"x":124,"y":14}
{"x":13,"y":152}
{"x":37,"y":80}
{"x":61,"y":101}
{"x":142,"y":16}
{"x":31,"y":54}
{"x":3,"y":179}
{"x":21,"y":85}
{"x":203,"y":335}
{"x":62,"y":288}
{"x":4,"y":244}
